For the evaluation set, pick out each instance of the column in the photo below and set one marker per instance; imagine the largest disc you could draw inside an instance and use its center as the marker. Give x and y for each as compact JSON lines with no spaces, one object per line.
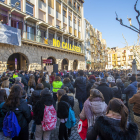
{"x":68,"y":40}
{"x":77,"y":25}
{"x":24,"y":6}
{"x":67,"y":19}
{"x":73,"y":42}
{"x":61,"y":15}
{"x":36,"y":9}
{"x":70,"y":67}
{"x":24,"y":29}
{"x":55,"y":36}
{"x":72,"y":24}
{"x":55,"y":13}
{"x":82,"y":22}
{"x":46,"y":11}
{"x":59,"y":62}
{"x":36,"y":29}
{"x":47,"y":33}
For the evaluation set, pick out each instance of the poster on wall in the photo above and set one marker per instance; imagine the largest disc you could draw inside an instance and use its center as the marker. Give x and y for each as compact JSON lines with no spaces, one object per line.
{"x":10,"y":35}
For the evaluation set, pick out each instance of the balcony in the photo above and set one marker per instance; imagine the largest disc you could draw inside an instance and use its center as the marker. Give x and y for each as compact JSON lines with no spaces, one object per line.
{"x":75,"y":26}
{"x":79,"y":28}
{"x":58,"y":15}
{"x":51,"y":11}
{"x":70,"y":4}
{"x":64,"y":19}
{"x":42,"y":6}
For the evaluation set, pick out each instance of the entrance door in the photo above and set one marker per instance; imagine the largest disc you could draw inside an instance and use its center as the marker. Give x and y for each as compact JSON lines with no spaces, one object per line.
{"x":65,"y":64}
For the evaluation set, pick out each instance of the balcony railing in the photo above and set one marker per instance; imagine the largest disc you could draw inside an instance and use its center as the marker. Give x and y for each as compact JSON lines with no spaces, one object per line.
{"x":50,"y":11}
{"x":64,"y":19}
{"x":37,"y":38}
{"x":58,"y":15}
{"x":70,"y":4}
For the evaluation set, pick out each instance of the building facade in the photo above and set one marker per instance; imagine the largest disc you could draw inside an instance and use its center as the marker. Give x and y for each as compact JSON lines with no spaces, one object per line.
{"x":95,"y":48}
{"x":50,"y":29}
{"x":120,"y":58}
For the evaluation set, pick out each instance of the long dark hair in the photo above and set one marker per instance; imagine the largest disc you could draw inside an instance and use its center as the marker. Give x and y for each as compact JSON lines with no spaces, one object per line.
{"x":3,"y":95}
{"x":116,"y":105}
{"x":14,"y":97}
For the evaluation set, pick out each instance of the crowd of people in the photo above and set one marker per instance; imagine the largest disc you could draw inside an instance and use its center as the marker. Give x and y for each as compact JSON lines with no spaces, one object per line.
{"x":109,"y":103}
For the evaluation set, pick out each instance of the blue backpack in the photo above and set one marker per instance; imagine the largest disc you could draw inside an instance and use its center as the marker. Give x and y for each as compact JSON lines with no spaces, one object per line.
{"x":71,"y":119}
{"x":11,"y":127}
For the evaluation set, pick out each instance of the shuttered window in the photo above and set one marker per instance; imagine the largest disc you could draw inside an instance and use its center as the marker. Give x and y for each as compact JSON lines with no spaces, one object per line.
{"x":51,"y":3}
{"x":42,"y":15}
{"x":58,"y":7}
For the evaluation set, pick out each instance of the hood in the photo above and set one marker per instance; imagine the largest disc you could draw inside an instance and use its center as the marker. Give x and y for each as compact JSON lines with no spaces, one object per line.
{"x":121,"y":85}
{"x":65,"y":98}
{"x":134,"y":84}
{"x":98,"y":107}
{"x":67,"y":84}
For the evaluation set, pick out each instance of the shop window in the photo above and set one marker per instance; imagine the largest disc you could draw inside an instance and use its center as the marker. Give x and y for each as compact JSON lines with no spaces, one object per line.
{"x":13,"y":4}
{"x":29,"y":9}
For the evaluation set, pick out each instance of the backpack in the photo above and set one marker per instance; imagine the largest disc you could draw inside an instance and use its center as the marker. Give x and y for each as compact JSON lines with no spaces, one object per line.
{"x":11,"y":127}
{"x":49,"y":119}
{"x":71,"y":121}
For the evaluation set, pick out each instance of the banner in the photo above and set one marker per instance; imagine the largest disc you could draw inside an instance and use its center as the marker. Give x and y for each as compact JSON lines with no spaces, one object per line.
{"x":10,"y":35}
{"x":49,"y":69}
{"x":47,"y":61}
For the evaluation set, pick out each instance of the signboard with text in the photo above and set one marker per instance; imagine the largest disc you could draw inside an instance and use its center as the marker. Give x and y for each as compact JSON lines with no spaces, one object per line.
{"x":47,"y":61}
{"x":10,"y":35}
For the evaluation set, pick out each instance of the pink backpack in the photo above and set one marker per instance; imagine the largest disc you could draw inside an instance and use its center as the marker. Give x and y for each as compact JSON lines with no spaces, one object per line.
{"x":49,"y":119}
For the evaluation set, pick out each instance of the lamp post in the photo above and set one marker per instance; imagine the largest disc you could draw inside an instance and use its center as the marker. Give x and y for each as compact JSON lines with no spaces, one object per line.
{"x":129,"y":19}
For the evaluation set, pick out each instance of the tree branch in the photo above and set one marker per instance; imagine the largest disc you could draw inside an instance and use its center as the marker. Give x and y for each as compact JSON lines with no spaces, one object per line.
{"x":137,"y":17}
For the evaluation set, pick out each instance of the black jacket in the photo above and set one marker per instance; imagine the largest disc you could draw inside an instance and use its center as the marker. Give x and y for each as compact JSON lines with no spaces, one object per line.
{"x":89,"y":85}
{"x":80,"y":85}
{"x":106,"y":91}
{"x":70,"y":86}
{"x":22,"y":113}
{"x":38,"y":109}
{"x":23,"y":80}
{"x":109,"y":129}
{"x":46,"y":85}
{"x":63,"y":107}
{"x":34,"y":97}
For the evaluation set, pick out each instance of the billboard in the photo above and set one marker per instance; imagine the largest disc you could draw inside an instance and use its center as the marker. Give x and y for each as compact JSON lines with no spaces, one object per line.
{"x":10,"y":35}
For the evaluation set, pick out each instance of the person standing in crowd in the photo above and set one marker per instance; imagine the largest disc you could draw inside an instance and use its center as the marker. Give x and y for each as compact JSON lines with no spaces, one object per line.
{"x":94,"y":106}
{"x":21,"y":110}
{"x":91,"y":81}
{"x":46,"y":99}
{"x":5,"y":85}
{"x":27,"y":76}
{"x":67,"y":83}
{"x":62,"y":113}
{"x":31,"y":84}
{"x":57,"y":84}
{"x":15,"y":75}
{"x":113,"y":126}
{"x":32,"y":101}
{"x":97,"y":83}
{"x":80,"y":85}
{"x":105,"y":90}
{"x":3,"y":98}
{"x":130,"y":91}
{"x":36,"y":77}
{"x":18,"y":82}
{"x":51,"y":80}
{"x":47,"y":77}
{"x":71,"y":79}
{"x":136,"y":101}
{"x":23,"y":80}
{"x":45,"y":84}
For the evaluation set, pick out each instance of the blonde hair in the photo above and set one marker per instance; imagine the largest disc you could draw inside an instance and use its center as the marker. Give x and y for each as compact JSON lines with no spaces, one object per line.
{"x":5,"y":84}
{"x":60,"y":93}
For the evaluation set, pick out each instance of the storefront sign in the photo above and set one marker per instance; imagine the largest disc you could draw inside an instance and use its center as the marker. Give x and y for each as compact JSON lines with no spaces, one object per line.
{"x":47,"y":61}
{"x":66,"y":46}
{"x":10,"y":35}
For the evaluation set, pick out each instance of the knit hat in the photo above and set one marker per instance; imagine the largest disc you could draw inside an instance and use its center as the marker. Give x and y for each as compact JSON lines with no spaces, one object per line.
{"x":103,"y":81}
{"x":118,"y":81}
{"x":45,"y":92}
{"x":109,"y":79}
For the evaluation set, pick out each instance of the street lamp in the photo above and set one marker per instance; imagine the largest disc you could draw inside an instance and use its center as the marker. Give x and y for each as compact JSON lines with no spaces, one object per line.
{"x":129,"y":19}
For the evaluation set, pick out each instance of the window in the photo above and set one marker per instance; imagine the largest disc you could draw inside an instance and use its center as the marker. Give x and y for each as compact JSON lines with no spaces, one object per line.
{"x":29,"y":9}
{"x":64,"y":13}
{"x":41,"y":35}
{"x":13,"y":4}
{"x":30,"y":32}
{"x":2,"y":0}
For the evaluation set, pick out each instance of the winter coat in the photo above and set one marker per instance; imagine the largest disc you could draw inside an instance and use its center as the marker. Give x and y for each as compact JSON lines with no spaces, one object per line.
{"x":46,"y":85}
{"x":109,"y":129}
{"x":131,"y":89}
{"x":89,"y":85}
{"x":34,"y":97}
{"x":97,"y":108}
{"x":27,"y":77}
{"x":71,"y":100}
{"x":51,"y":79}
{"x":36,"y":79}
{"x":18,"y":83}
{"x":1,"y":116}
{"x":63,"y":107}
{"x":106,"y":91}
{"x":115,"y":91}
{"x":95,"y":85}
{"x":120,"y":87}
{"x":23,"y":80}
{"x":80,"y":85}
{"x":70,"y":86}
{"x":38,"y":109}
{"x":56,"y":86}
{"x":126,"y":84}
{"x":22,"y":113}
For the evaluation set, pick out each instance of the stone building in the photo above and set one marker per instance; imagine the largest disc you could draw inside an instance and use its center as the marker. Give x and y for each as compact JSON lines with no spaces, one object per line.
{"x":50,"y":29}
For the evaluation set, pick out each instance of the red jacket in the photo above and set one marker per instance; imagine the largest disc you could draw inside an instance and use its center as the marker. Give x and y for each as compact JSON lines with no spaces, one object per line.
{"x":51,"y":79}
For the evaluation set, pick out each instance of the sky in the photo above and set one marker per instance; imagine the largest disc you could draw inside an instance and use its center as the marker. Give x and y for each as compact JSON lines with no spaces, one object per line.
{"x":101,"y":14}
